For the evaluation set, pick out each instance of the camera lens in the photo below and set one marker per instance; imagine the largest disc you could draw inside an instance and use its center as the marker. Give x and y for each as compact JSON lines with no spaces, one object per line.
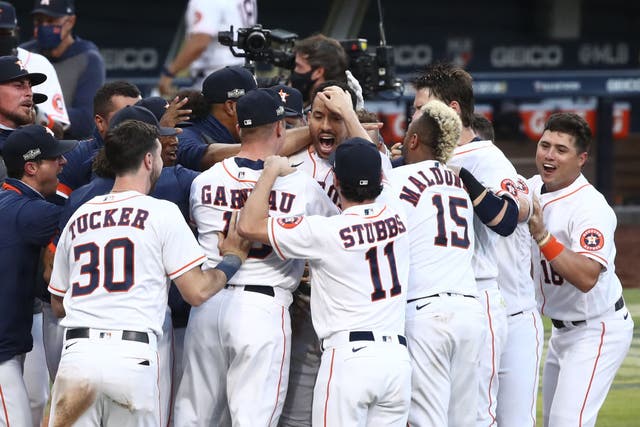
{"x":256,"y":41}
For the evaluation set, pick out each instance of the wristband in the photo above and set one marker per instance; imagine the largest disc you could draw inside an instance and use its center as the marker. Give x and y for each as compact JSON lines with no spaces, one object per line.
{"x":551,"y":248}
{"x":165,"y":72}
{"x":544,"y":239}
{"x":229,"y":265}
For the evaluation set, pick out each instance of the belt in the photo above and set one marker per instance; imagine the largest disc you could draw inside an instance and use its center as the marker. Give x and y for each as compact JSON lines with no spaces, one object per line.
{"x":451,"y":294}
{"x":126,"y":335}
{"x":265,"y":290}
{"x":559,"y":324}
{"x":368,"y":336}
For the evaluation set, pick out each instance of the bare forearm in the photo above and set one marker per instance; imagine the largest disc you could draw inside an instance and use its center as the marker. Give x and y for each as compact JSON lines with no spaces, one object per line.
{"x":252,"y":224}
{"x":216,"y":153}
{"x":580,"y":271}
{"x":191,"y":50}
{"x":295,"y":140}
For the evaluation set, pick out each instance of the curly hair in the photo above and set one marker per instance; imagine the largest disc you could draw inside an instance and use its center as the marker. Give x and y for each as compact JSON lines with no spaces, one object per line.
{"x":439,"y":127}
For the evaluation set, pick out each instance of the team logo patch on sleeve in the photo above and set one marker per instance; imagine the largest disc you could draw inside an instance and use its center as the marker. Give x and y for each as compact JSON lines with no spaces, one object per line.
{"x":289,"y":222}
{"x":522,"y":187}
{"x":510,"y":187}
{"x":592,"y":240}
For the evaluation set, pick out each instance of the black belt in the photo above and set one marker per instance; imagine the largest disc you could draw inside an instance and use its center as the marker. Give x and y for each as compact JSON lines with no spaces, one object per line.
{"x":437,"y":295}
{"x":559,"y":324}
{"x":265,"y":290}
{"x":368,"y":336}
{"x":126,"y":335}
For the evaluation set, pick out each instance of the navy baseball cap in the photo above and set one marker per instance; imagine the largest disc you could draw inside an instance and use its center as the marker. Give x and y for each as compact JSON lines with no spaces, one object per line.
{"x":11,"y":68}
{"x":228,"y":83}
{"x":31,"y":143}
{"x":141,"y":114}
{"x":356,"y":162}
{"x":7,"y":16}
{"x":259,"y":107}
{"x":55,"y":8}
{"x":292,"y":100}
{"x":156,"y":104}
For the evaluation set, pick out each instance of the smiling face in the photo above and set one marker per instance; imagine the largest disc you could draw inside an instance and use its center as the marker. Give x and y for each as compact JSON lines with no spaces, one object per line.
{"x":169,"y":150}
{"x":16,"y":103}
{"x":558,"y":160}
{"x":327,"y":129}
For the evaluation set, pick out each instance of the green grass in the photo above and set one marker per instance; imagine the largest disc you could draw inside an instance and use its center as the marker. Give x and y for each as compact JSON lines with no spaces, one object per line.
{"x":621,"y":409}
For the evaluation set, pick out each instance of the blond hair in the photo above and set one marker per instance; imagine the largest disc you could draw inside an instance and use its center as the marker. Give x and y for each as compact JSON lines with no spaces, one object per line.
{"x":448,"y":127}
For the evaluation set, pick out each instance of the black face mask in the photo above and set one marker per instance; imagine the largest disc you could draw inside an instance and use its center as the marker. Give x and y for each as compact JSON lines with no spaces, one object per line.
{"x":8,"y":44}
{"x":302,"y":82}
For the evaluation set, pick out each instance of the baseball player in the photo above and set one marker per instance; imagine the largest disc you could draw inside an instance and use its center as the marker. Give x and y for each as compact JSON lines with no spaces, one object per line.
{"x":173,"y":185}
{"x":484,"y":161}
{"x":360,"y":270}
{"x":331,"y":120}
{"x":445,"y":354}
{"x":245,"y":331}
{"x":575,"y":279}
{"x":110,"y":283}
{"x":33,"y":158}
{"x":521,"y":354}
{"x":202,"y":52}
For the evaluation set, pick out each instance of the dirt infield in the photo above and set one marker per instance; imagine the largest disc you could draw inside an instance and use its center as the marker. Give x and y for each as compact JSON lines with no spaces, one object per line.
{"x":628,"y":255}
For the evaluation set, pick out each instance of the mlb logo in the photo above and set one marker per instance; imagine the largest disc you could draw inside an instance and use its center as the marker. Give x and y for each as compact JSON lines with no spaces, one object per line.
{"x":386,"y":338}
{"x":106,"y":335}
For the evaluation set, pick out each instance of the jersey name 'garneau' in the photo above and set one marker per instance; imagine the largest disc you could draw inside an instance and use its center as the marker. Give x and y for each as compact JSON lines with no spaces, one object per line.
{"x":428,"y":178}
{"x":235,"y":198}
{"x":371,"y":232}
{"x":118,"y":217}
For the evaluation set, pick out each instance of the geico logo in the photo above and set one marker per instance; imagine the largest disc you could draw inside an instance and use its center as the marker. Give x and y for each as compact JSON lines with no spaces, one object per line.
{"x":130,"y":59}
{"x":408,"y":55}
{"x":526,"y":56}
{"x":623,"y":85}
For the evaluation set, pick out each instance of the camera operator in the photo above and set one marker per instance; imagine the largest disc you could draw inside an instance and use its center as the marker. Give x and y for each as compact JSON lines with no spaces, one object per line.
{"x":318,"y":59}
{"x":201,"y":50}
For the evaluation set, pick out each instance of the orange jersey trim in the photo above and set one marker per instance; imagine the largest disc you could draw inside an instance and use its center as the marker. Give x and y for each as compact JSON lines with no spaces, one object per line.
{"x":186,"y":266}
{"x":273,"y":233}
{"x":566,"y":195}
{"x":115,"y":201}
{"x":4,"y":407}
{"x":224,"y":166}
{"x":64,"y":189}
{"x":594,"y":255}
{"x":51,"y":287}
{"x":10,"y":187}
{"x":472,"y":149}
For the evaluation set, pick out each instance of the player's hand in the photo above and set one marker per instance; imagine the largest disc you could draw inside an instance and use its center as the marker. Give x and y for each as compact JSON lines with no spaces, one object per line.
{"x":279,"y":165}
{"x":165,"y":86}
{"x":536,"y":223}
{"x":337,"y":100}
{"x":175,"y":113}
{"x":396,"y":150}
{"x":232,"y":243}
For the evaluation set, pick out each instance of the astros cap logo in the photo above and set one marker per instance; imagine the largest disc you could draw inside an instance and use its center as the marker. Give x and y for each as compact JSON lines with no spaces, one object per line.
{"x":283,"y":95}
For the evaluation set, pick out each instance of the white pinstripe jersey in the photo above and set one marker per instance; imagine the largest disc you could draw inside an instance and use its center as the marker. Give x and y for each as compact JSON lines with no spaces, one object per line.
{"x":217,"y":192}
{"x":489,"y":166}
{"x":440,"y":224}
{"x":359,"y":263}
{"x":115,"y":258}
{"x":582,"y":220}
